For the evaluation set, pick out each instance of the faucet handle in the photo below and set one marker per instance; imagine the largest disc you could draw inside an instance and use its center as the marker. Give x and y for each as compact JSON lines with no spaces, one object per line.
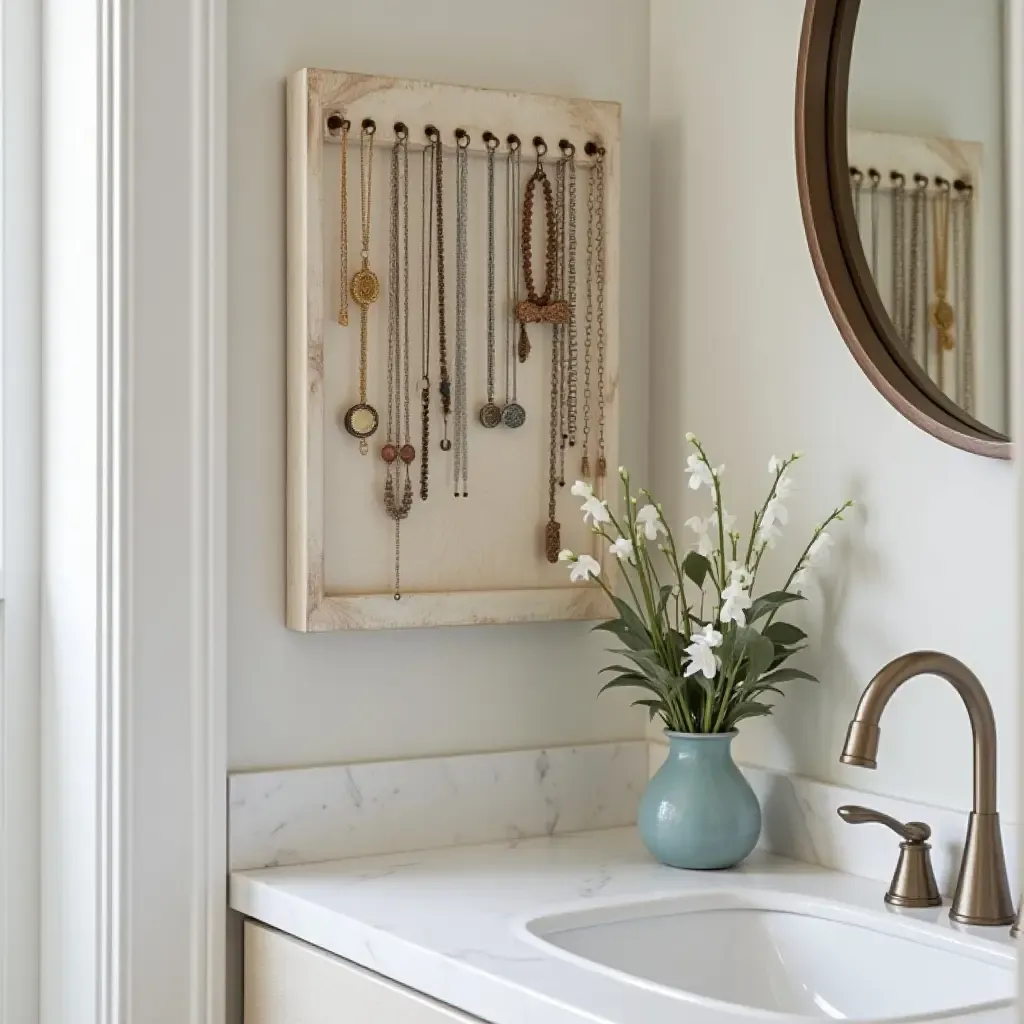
{"x":911,"y":832}
{"x":913,"y":882}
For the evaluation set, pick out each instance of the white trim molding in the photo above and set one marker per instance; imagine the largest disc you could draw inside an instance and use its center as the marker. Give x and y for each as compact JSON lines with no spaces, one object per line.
{"x":134,"y":386}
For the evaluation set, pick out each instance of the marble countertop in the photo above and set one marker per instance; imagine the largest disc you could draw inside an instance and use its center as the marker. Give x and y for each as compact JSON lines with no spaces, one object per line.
{"x":450,"y":923}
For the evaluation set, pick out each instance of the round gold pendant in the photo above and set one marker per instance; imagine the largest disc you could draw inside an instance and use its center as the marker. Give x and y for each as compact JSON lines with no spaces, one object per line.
{"x":490,"y":415}
{"x":942,"y":315}
{"x":361,"y":420}
{"x":365,"y":287}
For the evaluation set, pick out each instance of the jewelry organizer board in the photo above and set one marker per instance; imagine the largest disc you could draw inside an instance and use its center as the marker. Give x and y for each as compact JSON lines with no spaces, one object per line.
{"x":951,"y":159}
{"x":463,"y":560}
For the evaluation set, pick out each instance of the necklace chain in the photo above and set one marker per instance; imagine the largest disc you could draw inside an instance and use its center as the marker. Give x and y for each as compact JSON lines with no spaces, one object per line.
{"x":572,"y":354}
{"x":461,"y":441}
{"x":426,"y":267}
{"x":967,"y":297}
{"x":601,"y":346}
{"x":588,"y":323}
{"x":490,"y":272}
{"x":445,"y":386}
{"x":343,"y":226}
{"x":898,"y":252}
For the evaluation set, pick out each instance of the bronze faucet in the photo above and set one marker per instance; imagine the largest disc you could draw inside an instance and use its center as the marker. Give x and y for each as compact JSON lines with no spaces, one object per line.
{"x":982,"y":888}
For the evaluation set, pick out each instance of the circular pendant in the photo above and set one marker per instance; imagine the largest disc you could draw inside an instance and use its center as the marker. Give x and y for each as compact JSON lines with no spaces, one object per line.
{"x":389,"y":452}
{"x":490,"y":415}
{"x":365,"y":287}
{"x":513,"y":415}
{"x":361,"y":421}
{"x":407,"y":453}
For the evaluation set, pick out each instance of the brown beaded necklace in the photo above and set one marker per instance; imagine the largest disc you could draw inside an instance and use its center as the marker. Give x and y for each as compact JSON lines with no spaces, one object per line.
{"x":539,"y":308}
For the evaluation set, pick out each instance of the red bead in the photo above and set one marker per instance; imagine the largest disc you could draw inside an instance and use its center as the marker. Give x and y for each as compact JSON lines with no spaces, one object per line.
{"x":407,"y":453}
{"x":389,"y":453}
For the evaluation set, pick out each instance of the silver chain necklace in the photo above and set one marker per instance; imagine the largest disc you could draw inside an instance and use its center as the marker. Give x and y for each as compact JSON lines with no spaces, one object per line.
{"x":490,"y":414}
{"x":876,"y":180}
{"x":917,"y":210}
{"x":426,"y":266}
{"x":968,"y":297}
{"x":899,"y":195}
{"x":460,"y":446}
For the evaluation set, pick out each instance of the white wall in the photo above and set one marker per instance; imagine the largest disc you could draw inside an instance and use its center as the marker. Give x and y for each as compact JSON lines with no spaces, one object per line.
{"x":748,"y":357}
{"x":298,"y":699}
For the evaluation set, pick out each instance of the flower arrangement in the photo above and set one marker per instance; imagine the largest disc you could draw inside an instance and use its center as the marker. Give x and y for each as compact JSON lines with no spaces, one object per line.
{"x":701,"y":644}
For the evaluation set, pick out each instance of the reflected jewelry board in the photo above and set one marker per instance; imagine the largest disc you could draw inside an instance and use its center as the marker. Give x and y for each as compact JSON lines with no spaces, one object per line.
{"x":920,"y":204}
{"x":464,"y":560}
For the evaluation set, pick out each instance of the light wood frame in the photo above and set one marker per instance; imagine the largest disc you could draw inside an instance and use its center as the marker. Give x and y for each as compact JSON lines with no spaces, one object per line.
{"x":314,"y":95}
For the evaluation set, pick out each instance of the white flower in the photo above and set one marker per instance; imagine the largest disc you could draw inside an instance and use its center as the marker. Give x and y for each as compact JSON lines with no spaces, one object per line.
{"x":774,"y":512}
{"x":800,"y":580}
{"x":622,"y":549}
{"x":701,"y":527}
{"x":650,"y":519}
{"x":818,"y":552}
{"x":767,"y":535}
{"x":581,"y":489}
{"x":583,"y":568}
{"x":740,"y":574}
{"x":565,"y":555}
{"x":701,"y":652}
{"x":784,"y":487}
{"x":728,"y":520}
{"x":594,"y":508}
{"x":735,"y":603}
{"x":676,"y":590}
{"x":775,"y":464}
{"x":699,"y":473}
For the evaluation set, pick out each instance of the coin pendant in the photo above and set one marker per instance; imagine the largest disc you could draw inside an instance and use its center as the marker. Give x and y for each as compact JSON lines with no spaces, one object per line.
{"x":361,"y":420}
{"x":490,"y":415}
{"x":942,"y":314}
{"x":513,"y":415}
{"x":365,"y":287}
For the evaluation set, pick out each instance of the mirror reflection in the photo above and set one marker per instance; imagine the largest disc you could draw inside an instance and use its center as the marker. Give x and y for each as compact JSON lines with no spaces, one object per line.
{"x":926,"y":154}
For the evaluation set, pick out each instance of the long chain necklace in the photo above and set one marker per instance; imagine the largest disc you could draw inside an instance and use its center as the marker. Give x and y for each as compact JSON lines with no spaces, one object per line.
{"x":942,"y":314}
{"x":899,"y":194}
{"x":602,"y":354}
{"x":445,"y":385}
{"x":398,"y":452}
{"x":588,"y":315}
{"x":917,"y":211}
{"x":513,"y":414}
{"x":967,"y":311}
{"x":344,"y":126}
{"x":362,"y":420}
{"x":539,"y":307}
{"x":461,"y":454}
{"x":490,"y":414}
{"x":426,"y":266}
{"x":572,"y":353}
{"x":556,"y":414}
{"x":876,"y":181}
{"x":856,"y":192}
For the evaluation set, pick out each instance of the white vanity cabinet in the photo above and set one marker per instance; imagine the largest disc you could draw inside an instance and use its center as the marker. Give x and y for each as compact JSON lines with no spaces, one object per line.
{"x":290,"y":982}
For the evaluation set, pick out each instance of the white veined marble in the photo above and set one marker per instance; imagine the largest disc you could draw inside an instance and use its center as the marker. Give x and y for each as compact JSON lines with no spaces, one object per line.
{"x":296,"y":816}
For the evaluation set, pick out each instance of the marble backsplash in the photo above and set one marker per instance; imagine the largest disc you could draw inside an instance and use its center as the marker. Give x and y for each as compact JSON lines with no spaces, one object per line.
{"x":304,"y":815}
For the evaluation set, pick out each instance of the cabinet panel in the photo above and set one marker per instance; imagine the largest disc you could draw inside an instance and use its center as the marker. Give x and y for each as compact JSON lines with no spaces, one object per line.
{"x":290,"y":982}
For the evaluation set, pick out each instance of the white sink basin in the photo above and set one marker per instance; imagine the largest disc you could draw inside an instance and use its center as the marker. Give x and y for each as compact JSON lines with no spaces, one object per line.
{"x":765,"y":954}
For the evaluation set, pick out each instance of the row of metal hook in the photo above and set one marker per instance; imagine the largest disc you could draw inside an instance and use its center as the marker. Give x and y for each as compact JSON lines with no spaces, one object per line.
{"x":336,"y":125}
{"x":899,"y":180}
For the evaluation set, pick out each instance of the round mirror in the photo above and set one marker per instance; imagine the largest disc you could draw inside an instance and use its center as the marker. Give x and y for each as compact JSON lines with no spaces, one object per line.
{"x":901,"y":156}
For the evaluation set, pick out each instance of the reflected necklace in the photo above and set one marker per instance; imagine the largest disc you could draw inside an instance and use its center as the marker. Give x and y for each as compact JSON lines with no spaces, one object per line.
{"x":362,"y":420}
{"x":426,"y":266}
{"x":967,"y":296}
{"x":398,"y":452}
{"x":513,"y":414}
{"x":490,"y":414}
{"x":942,"y":314}
{"x":917,"y":211}
{"x":461,"y":453}
{"x":876,"y":180}
{"x":899,"y":195}
{"x":539,"y":307}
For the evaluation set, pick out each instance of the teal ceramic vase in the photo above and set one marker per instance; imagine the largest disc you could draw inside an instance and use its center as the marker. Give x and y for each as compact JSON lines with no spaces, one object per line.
{"x":699,"y":811}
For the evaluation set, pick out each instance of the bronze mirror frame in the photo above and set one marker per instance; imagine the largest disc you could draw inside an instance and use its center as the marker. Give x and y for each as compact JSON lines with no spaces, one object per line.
{"x":822,"y":85}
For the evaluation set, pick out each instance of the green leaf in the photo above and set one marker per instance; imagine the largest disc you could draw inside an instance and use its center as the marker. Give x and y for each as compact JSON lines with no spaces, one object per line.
{"x":622,"y":632}
{"x":784,"y":633}
{"x":760,"y":653}
{"x":769,"y":602}
{"x":783,"y":653}
{"x":633,"y":622}
{"x":654,"y":707}
{"x":648,"y":664}
{"x":696,"y":567}
{"x":784,"y":675}
{"x":638,"y":682}
{"x":746,"y":709}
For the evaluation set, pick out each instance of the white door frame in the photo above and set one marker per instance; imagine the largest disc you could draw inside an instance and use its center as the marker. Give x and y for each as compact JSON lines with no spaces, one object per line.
{"x":134,"y":483}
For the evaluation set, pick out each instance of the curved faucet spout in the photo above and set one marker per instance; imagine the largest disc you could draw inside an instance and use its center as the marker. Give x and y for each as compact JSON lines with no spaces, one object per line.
{"x":982,"y":890}
{"x":861,"y":747}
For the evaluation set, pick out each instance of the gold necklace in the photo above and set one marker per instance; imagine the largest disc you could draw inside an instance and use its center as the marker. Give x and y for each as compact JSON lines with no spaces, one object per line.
{"x":362,"y":419}
{"x":345,"y":125}
{"x":942,"y":314}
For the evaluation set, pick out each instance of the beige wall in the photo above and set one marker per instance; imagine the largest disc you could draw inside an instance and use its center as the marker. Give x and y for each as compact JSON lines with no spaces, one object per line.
{"x":748,"y":357}
{"x":300,"y":699}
